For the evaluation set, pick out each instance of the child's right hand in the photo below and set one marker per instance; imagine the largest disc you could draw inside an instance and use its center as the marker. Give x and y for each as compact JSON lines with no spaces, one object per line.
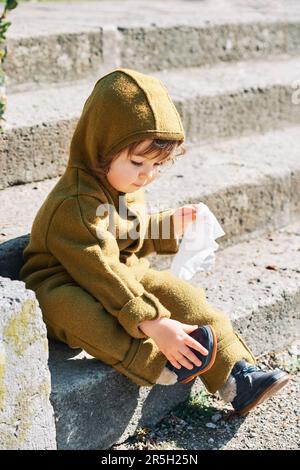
{"x":173,"y":340}
{"x":183,"y":216}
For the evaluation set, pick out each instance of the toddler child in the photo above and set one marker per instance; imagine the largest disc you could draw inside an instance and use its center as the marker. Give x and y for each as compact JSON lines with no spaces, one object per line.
{"x":87,"y":255}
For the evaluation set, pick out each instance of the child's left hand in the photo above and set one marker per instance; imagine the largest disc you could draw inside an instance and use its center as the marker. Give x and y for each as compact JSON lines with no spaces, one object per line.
{"x":183,"y":216}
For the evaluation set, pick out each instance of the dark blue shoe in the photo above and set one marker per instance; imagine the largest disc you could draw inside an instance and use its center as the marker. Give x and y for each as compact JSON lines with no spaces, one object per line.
{"x":255,"y":385}
{"x":206,"y":336}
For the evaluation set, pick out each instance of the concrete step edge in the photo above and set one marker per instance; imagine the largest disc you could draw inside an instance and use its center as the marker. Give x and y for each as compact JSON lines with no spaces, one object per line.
{"x":103,"y":35}
{"x":31,"y":144}
{"x":250,"y":184}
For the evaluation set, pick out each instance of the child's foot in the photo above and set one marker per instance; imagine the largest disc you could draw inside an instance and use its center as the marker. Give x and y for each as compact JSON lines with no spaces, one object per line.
{"x":205,"y":335}
{"x":252,"y":386}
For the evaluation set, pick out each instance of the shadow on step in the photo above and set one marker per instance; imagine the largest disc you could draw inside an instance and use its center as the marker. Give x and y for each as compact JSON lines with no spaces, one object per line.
{"x":11,"y":256}
{"x":96,"y":406}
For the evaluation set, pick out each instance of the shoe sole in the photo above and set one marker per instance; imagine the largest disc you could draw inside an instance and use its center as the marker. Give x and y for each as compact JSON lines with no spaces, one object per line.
{"x":209,"y":365}
{"x":271,"y":390}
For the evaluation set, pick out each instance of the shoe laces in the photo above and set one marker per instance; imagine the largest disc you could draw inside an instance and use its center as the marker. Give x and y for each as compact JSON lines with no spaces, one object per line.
{"x":246,"y":370}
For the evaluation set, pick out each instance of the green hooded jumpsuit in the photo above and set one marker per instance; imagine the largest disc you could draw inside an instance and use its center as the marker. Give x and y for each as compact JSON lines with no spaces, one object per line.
{"x":91,"y":277}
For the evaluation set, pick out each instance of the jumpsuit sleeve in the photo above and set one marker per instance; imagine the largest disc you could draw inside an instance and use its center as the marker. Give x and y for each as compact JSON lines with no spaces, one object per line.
{"x":80,"y":241}
{"x":159,"y":233}
{"x":160,"y":237}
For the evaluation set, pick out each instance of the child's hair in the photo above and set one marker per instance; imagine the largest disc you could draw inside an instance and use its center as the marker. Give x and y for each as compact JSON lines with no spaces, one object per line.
{"x":163,"y":148}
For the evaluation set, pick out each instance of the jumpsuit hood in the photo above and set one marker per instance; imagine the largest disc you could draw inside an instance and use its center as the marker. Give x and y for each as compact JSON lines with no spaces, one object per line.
{"x":125,"y":106}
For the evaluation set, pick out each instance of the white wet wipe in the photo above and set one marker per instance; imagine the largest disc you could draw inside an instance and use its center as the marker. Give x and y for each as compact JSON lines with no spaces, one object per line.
{"x":197,"y":247}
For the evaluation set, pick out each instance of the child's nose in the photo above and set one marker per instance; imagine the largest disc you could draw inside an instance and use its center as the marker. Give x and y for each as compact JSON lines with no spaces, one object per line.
{"x":147,"y":174}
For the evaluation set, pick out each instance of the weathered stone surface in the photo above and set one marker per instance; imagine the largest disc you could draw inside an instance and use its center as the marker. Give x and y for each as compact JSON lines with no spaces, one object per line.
{"x":226,"y":100}
{"x":26,"y":415}
{"x":48,"y":58}
{"x":95,"y":406}
{"x":161,"y":34}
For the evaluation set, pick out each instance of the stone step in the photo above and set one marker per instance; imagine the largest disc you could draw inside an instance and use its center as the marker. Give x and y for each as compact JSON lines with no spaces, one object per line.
{"x":257,"y":283}
{"x":71,"y":43}
{"x":214,"y":102}
{"x":251,"y":184}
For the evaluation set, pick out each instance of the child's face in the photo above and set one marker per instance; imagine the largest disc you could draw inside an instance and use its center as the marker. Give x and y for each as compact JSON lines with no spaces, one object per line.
{"x":128,"y":174}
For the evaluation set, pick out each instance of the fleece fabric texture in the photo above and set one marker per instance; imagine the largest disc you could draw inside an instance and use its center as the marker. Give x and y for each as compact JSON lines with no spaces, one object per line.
{"x":86,"y":266}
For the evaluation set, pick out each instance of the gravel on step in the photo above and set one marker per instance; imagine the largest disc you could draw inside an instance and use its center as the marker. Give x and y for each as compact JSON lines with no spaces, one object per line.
{"x":204,"y":422}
